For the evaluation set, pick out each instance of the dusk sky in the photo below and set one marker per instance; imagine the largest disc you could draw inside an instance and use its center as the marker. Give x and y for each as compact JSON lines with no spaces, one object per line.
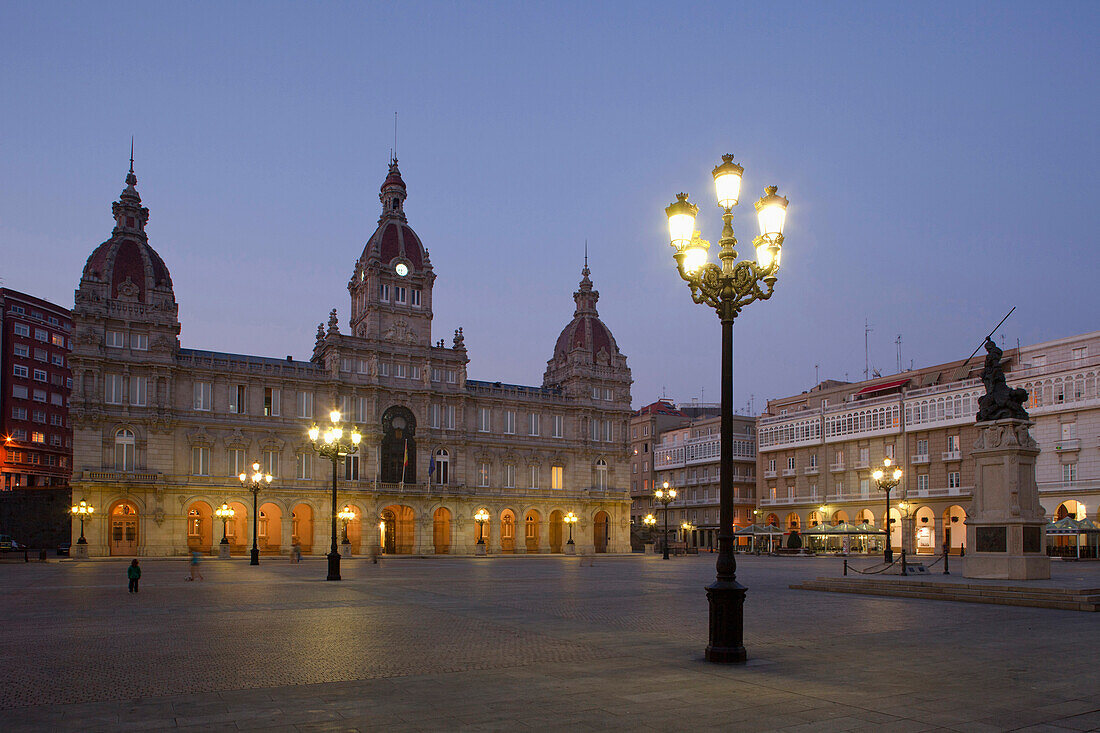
{"x":941,"y":161}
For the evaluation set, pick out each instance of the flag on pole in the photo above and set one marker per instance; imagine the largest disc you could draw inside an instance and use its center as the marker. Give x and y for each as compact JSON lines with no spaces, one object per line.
{"x":405,"y":463}
{"x":431,"y":465}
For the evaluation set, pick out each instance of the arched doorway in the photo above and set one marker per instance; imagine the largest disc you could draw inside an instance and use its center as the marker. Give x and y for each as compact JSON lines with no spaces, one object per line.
{"x":792,"y":521}
{"x":839,"y":516}
{"x":269,"y":529}
{"x":301,"y":527}
{"x":954,"y":528}
{"x":814,"y":518}
{"x":123,"y":536}
{"x":895,"y":529}
{"x":1070,"y":508}
{"x":531,"y":531}
{"x":398,"y":455}
{"x":556,"y":531}
{"x":200,"y":527}
{"x":507,"y":531}
{"x":399,"y":530}
{"x":772,"y":520}
{"x":441,"y":531}
{"x":600,"y":531}
{"x":866,"y":515}
{"x":924,"y":531}
{"x":239,"y":529}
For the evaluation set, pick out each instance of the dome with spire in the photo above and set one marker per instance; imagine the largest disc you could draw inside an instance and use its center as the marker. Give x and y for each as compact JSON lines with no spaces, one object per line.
{"x":126,"y":264}
{"x":586,"y":331}
{"x":394,"y":239}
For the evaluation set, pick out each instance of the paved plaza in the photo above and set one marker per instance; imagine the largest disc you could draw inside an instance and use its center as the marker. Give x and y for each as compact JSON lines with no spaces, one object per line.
{"x":522,"y":642}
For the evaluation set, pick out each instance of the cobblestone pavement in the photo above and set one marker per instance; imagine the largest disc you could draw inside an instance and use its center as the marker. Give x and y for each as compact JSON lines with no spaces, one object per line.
{"x":524,"y":642}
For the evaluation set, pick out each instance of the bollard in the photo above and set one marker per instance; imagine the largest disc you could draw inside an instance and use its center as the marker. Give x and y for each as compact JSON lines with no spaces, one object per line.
{"x":903,"y":565}
{"x":946,"y":554}
{"x":845,"y":567}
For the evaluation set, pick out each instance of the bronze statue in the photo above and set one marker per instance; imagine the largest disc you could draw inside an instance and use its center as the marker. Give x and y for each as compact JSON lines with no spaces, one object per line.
{"x":999,"y":402}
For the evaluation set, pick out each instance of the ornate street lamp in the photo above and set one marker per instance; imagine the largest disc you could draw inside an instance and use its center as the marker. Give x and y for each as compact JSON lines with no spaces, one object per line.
{"x":887,"y":478}
{"x":570,"y":519}
{"x":224,"y":513}
{"x":332,"y":445}
{"x":906,"y":512}
{"x":687,"y":527}
{"x":481,"y":517}
{"x":253,"y":483}
{"x":347,"y":514}
{"x":727,"y":287}
{"x":82,"y":510}
{"x":649,"y":520}
{"x":665,"y":496}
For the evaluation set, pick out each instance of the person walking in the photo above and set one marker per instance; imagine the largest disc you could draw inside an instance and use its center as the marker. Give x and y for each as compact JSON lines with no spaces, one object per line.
{"x":133,"y":573}
{"x":296,"y":552}
{"x":195,"y":558}
{"x":375,"y":551}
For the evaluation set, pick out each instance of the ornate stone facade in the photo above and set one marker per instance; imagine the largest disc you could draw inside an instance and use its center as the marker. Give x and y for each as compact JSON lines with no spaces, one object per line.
{"x":161,"y":432}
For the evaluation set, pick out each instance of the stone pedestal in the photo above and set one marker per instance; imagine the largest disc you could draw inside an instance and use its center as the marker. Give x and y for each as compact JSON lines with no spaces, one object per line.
{"x":79,"y":552}
{"x":479,"y":548}
{"x":647,"y":548}
{"x":223,"y":551}
{"x":345,"y":550}
{"x":1005,"y":524}
{"x":570,"y":548}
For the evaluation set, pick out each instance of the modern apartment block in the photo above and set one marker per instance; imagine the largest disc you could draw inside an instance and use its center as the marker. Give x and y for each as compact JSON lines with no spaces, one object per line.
{"x":818,"y":449}
{"x":35,"y":384}
{"x":688,"y":459}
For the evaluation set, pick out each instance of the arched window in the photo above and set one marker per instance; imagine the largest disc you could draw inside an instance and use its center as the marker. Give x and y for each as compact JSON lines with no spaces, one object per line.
{"x":124,"y":450}
{"x":194,"y":523}
{"x":396,"y":203}
{"x":601,"y":474}
{"x":441,"y":472}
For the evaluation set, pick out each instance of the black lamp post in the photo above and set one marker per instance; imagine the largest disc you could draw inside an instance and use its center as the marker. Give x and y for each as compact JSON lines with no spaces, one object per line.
{"x":82,"y":510}
{"x":887,"y":478}
{"x":331,"y":445}
{"x":253,"y":483}
{"x":727,"y":287}
{"x":224,"y":513}
{"x":665,"y":496}
{"x":347,"y":514}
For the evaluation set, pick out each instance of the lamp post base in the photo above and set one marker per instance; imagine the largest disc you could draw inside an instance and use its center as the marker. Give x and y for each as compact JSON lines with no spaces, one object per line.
{"x":888,"y":555}
{"x":570,"y":548}
{"x":333,"y":566}
{"x":479,"y":548}
{"x":254,"y":556}
{"x":345,"y":549}
{"x":79,"y":552}
{"x":727,"y":621}
{"x":223,"y":551}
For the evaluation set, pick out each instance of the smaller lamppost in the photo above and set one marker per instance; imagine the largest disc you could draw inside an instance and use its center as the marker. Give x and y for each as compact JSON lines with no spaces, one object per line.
{"x":905,"y":508}
{"x":254,"y":482}
{"x":649,"y":521}
{"x":224,"y":513}
{"x":346,"y":515}
{"x":82,"y":511}
{"x":665,"y":496}
{"x":481,"y":517}
{"x":687,"y":527}
{"x":887,"y":478}
{"x":570,"y":519}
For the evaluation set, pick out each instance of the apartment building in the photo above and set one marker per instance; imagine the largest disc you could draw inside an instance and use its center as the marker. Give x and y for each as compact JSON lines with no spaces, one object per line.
{"x":817,"y":450}
{"x":688,"y":458}
{"x":646,"y":426}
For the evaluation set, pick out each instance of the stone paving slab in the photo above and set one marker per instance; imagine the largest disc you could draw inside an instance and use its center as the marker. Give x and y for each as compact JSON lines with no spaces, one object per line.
{"x":537,"y":642}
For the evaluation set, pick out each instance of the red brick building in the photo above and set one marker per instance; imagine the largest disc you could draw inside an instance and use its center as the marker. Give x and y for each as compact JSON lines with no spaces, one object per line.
{"x":35,"y":383}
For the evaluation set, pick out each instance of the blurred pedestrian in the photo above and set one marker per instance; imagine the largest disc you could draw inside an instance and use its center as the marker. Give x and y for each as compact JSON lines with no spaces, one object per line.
{"x":375,"y":552}
{"x":296,"y":551}
{"x":195,"y":558}
{"x":133,"y":573}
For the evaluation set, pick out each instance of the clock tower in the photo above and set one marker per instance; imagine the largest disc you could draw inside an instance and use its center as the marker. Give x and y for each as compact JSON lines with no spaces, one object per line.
{"x":391,"y":287}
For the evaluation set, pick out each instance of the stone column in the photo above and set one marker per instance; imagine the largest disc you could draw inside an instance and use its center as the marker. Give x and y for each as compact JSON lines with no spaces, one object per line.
{"x":544,"y":536}
{"x":1005,"y":527}
{"x":286,"y":525}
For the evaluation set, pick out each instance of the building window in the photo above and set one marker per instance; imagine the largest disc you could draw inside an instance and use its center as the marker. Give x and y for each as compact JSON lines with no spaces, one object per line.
{"x":115,"y":339}
{"x":194,"y":523}
{"x":21,"y":329}
{"x":272,"y":397}
{"x":303,"y":468}
{"x":39,"y":395}
{"x":271,"y":462}
{"x":237,"y":401}
{"x":771,"y":464}
{"x":139,"y":341}
{"x":1069,"y":472}
{"x":40,"y":375}
{"x":448,"y":417}
{"x":509,"y":422}
{"x":533,"y":478}
{"x":483,"y":420}
{"x":790,"y":463}
{"x":442,"y":472}
{"x":400,"y":371}
{"x":20,"y":371}
{"x":952,"y":443}
{"x":890,"y":451}
{"x":922,"y":447}
{"x":557,"y":476}
{"x":21,"y":350}
{"x":451,"y":379}
{"x":813,"y":460}
{"x":1079,"y":352}
{"x":433,"y":416}
{"x":112,"y":389}
{"x":19,"y":413}
{"x":953,"y":479}
{"x":138,"y":388}
{"x":415,"y":298}
{"x":383,"y":292}
{"x":37,"y":437}
{"x":200,"y":461}
{"x":437,"y":375}
{"x":559,"y":426}
{"x":601,"y":474}
{"x":19,"y":391}
{"x":204,"y":396}
{"x":483,"y":474}
{"x":509,"y":476}
{"x":399,"y":294}
{"x":124,"y":450}
{"x":305,"y":404}
{"x":236,"y":463}
{"x":533,"y":423}
{"x":922,"y":482}
{"x":351,"y":467}
{"x":384,"y":369}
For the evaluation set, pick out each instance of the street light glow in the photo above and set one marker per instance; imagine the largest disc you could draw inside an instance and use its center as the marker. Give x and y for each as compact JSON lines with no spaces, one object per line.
{"x":681,"y":221}
{"x":727,"y":182}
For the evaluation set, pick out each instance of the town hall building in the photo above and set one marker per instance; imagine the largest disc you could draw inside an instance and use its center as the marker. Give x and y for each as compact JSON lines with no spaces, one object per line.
{"x":161,"y":432}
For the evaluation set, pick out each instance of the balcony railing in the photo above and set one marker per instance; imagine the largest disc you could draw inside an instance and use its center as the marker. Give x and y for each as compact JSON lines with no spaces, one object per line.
{"x":919,"y":459}
{"x":1065,"y":446}
{"x":837,"y":467}
{"x":789,"y":472}
{"x":770,"y":474}
{"x":952,"y":455}
{"x":810,"y":470}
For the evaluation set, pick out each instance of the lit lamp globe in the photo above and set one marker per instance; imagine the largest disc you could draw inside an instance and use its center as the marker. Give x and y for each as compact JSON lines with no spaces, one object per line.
{"x":727,"y":182}
{"x":771,"y":213}
{"x":681,"y":221}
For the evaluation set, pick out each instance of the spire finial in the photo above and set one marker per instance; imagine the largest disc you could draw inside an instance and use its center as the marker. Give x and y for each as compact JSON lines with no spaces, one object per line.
{"x":586,"y":254}
{"x":131,"y":179}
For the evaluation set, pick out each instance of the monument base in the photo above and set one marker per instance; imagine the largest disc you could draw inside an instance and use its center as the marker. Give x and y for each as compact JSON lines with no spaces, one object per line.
{"x":1020,"y":567}
{"x":223,"y":552}
{"x":78,"y":552}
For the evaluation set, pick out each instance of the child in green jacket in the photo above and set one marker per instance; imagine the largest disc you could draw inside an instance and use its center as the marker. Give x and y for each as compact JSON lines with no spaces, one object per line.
{"x":133,"y":573}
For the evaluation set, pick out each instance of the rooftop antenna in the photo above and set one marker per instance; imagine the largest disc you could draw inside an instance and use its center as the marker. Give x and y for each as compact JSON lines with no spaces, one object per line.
{"x":817,"y":379}
{"x":586,"y":254}
{"x":866,"y":349}
{"x":898,"y":342}
{"x":395,"y":135}
{"x":131,"y":153}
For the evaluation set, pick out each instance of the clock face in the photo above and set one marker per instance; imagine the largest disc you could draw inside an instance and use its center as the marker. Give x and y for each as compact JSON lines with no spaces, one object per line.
{"x":401,"y":269}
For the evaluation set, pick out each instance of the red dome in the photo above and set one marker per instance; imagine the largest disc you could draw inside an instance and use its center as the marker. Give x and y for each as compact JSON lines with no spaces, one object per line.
{"x":585,"y":331}
{"x":121,"y":259}
{"x":394,"y":238}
